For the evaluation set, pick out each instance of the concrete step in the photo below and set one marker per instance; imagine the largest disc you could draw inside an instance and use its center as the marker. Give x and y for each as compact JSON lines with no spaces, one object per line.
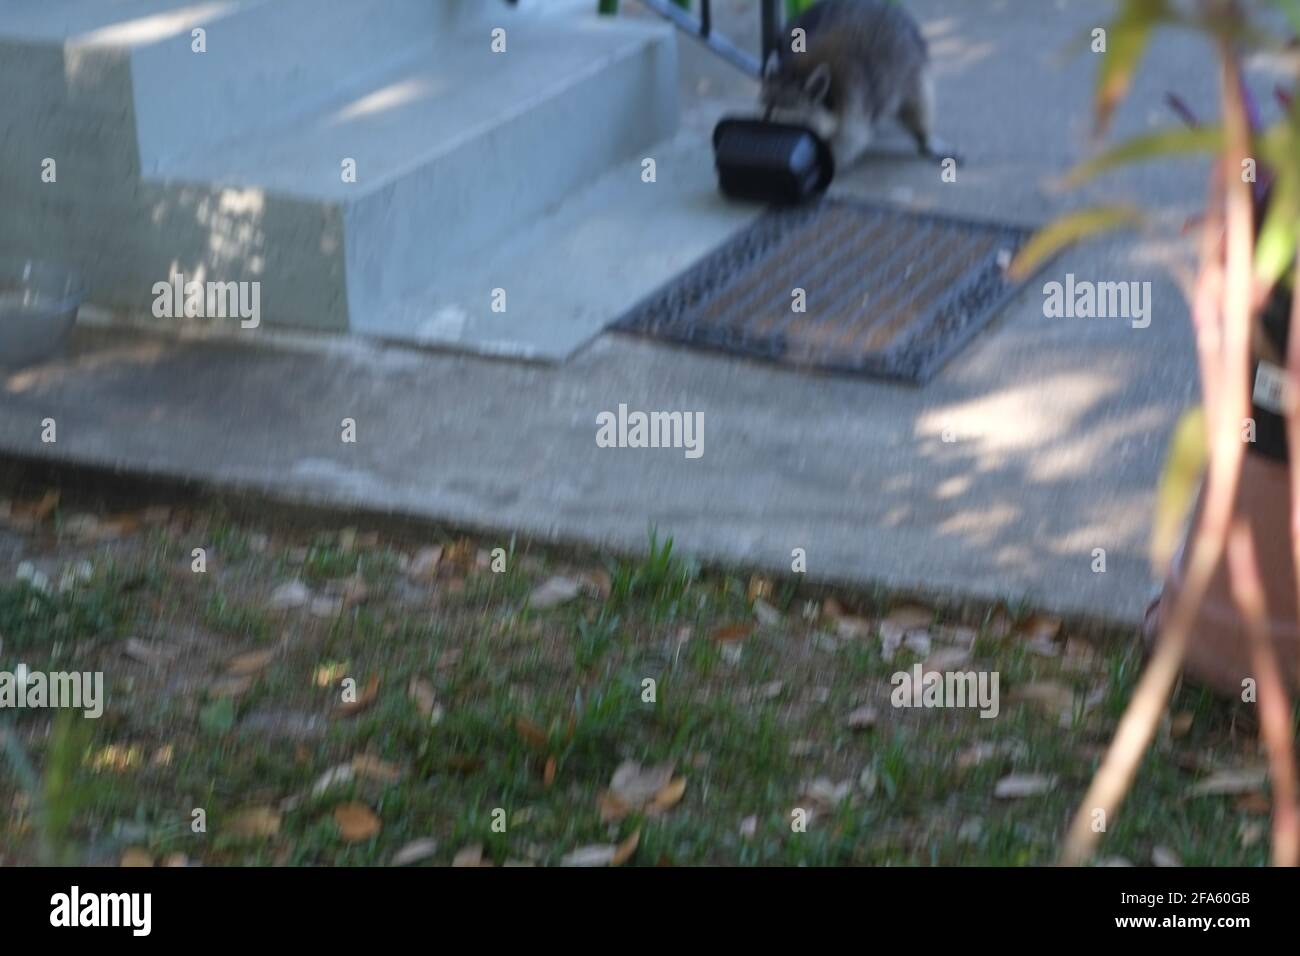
{"x":227,"y":166}
{"x":567,"y":274}
{"x":455,"y":152}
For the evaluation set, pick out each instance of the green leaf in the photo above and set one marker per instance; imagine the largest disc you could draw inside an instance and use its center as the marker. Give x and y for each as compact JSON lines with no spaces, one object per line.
{"x":1127,"y":39}
{"x":218,"y":717}
{"x":1067,"y":230}
{"x":1168,"y":142}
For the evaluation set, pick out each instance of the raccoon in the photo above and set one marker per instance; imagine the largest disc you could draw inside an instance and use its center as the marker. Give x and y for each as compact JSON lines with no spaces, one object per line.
{"x":865,"y":61}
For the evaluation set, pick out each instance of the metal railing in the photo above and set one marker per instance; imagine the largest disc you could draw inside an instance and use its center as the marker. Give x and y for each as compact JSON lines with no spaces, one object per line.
{"x":701,"y":28}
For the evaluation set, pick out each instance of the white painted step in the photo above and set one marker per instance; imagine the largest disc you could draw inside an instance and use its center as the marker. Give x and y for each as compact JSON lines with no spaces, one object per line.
{"x":570,"y":273}
{"x":455,"y":153}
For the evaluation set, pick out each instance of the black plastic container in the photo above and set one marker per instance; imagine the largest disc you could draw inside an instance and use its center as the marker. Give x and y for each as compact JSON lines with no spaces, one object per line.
{"x":771,"y":162}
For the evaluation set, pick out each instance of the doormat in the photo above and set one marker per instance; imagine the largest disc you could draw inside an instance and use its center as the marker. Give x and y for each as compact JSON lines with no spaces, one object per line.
{"x":841,"y":286}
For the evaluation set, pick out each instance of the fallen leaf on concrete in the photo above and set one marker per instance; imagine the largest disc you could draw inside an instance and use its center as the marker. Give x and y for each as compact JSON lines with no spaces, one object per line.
{"x":863,"y":718}
{"x":558,"y":590}
{"x":254,"y":822}
{"x":135,"y":856}
{"x":356,"y":822}
{"x":1230,"y":783}
{"x":244,"y":665}
{"x":1017,"y":786}
{"x":290,"y":595}
{"x":415,"y":851}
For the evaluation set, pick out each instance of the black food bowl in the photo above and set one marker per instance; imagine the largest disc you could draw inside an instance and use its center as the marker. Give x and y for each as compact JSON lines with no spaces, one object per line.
{"x":771,"y":162}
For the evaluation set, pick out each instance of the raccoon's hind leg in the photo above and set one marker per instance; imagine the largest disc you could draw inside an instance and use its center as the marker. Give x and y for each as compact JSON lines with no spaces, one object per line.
{"x":917,"y":116}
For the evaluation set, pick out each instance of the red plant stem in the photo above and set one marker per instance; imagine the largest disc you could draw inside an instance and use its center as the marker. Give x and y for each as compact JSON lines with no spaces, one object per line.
{"x":1274,"y":701}
{"x":1221,"y":311}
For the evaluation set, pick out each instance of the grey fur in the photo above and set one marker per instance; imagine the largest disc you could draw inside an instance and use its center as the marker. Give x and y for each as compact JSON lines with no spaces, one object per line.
{"x":865,"y":62}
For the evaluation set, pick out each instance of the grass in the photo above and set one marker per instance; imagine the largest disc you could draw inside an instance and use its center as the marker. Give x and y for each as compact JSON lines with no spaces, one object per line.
{"x":535,"y":710}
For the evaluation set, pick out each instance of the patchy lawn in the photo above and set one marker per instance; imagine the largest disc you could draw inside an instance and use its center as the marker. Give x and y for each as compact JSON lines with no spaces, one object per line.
{"x":507,"y":716}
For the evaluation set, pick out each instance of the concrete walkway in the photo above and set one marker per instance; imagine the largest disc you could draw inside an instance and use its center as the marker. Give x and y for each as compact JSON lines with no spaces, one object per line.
{"x":1059,"y":425}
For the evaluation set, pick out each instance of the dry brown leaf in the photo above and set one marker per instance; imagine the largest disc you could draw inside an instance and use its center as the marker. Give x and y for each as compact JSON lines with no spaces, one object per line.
{"x":373,"y":768}
{"x":626,"y":849}
{"x":832,"y":608}
{"x":731,"y":633}
{"x":356,"y":822}
{"x":1040,"y":627}
{"x":668,"y":797}
{"x":612,"y":809}
{"x":364,"y":699}
{"x":244,"y":665}
{"x":760,"y":588}
{"x":548,"y":774}
{"x":135,"y":856}
{"x":255,"y":822}
{"x":598,"y":583}
{"x":530,"y":732}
